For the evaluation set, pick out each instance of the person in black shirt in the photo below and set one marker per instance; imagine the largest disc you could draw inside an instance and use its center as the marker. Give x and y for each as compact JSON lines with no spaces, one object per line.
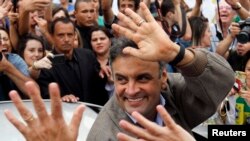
{"x":77,"y":75}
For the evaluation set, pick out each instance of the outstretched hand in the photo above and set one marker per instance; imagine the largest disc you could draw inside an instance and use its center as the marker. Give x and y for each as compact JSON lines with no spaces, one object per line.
{"x":5,"y":7}
{"x":153,"y":132}
{"x":44,"y":127}
{"x":154,"y":44}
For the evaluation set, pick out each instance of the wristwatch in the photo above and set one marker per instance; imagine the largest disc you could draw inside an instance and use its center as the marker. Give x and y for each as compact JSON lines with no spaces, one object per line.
{"x":237,"y":6}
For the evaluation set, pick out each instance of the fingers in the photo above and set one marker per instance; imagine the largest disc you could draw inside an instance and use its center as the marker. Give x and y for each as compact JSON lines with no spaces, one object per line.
{"x":107,"y":71}
{"x":124,"y":137}
{"x":101,"y":73}
{"x":169,"y":122}
{"x":70,"y":98}
{"x":137,"y":131}
{"x":4,"y":4}
{"x":19,"y":125}
{"x":43,"y":63}
{"x":132,"y":20}
{"x":49,"y":54}
{"x":37,"y":101}
{"x":77,"y":117}
{"x":122,"y":30}
{"x":22,"y":109}
{"x":131,"y":51}
{"x":56,"y":104}
{"x":145,"y":11}
{"x":150,"y":126}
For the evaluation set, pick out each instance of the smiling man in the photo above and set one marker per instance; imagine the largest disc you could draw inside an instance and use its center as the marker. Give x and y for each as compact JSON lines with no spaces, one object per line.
{"x":141,"y":85}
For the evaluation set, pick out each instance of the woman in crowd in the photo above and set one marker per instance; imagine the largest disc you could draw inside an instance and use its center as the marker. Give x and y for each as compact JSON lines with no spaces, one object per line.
{"x":32,"y":49}
{"x":59,"y":12}
{"x":200,"y":32}
{"x":101,"y":43}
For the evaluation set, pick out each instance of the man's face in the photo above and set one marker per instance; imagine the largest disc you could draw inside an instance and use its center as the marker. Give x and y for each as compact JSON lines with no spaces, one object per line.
{"x":137,"y":84}
{"x":85,"y":14}
{"x":126,"y":4}
{"x":242,"y":49}
{"x":64,"y":37}
{"x":226,"y":12}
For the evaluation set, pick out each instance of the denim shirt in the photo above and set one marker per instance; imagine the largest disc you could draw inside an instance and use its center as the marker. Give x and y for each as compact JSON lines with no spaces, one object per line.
{"x":21,"y":65}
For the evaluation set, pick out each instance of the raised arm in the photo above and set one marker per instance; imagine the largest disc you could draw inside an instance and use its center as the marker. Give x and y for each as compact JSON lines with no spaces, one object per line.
{"x":108,"y":13}
{"x":13,"y":18}
{"x":224,"y":45}
{"x":239,"y":7}
{"x":154,"y":44}
{"x":196,"y":10}
{"x":25,"y":7}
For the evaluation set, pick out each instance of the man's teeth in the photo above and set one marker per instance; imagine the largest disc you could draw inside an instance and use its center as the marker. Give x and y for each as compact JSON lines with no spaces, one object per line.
{"x":134,"y":100}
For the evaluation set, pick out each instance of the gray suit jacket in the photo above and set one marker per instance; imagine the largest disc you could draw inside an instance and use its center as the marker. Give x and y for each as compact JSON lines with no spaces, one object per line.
{"x":192,"y":96}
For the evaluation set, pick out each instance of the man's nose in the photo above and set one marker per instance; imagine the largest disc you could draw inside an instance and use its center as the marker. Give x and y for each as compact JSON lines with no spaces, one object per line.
{"x":132,"y":88}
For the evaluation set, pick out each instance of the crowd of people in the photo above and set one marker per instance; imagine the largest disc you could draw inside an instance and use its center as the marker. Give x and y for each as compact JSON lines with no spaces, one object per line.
{"x":149,"y":66}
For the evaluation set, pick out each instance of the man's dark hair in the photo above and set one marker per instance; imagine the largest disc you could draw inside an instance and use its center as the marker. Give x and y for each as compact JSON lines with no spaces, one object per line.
{"x":167,"y":6}
{"x":103,"y":29}
{"x":79,"y":1}
{"x":198,"y":26}
{"x":119,"y":44}
{"x":137,"y":2}
{"x":61,"y":19}
{"x":57,"y":9}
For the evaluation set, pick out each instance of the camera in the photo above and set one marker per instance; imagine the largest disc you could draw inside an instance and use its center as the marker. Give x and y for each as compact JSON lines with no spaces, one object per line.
{"x":244,"y":35}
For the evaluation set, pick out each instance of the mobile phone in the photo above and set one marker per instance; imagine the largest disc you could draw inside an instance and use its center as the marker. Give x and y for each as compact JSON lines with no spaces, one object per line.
{"x":57,"y":59}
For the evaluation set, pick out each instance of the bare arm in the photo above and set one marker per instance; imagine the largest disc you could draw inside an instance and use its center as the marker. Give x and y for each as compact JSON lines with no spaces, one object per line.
{"x":43,"y":26}
{"x":242,"y":12}
{"x":25,"y":7}
{"x":224,"y":45}
{"x":147,"y":2}
{"x":13,"y":17}
{"x":107,"y":11}
{"x":245,"y":4}
{"x":186,"y":31}
{"x":23,"y":26}
{"x":196,"y":11}
{"x":48,"y":12}
{"x":15,"y":75}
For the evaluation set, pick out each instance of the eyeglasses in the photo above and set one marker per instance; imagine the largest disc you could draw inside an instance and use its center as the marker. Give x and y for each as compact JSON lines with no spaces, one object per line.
{"x":225,"y":7}
{"x":4,"y":39}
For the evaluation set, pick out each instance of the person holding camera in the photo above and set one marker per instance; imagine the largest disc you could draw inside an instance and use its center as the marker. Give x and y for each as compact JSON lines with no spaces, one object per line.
{"x":235,"y":56}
